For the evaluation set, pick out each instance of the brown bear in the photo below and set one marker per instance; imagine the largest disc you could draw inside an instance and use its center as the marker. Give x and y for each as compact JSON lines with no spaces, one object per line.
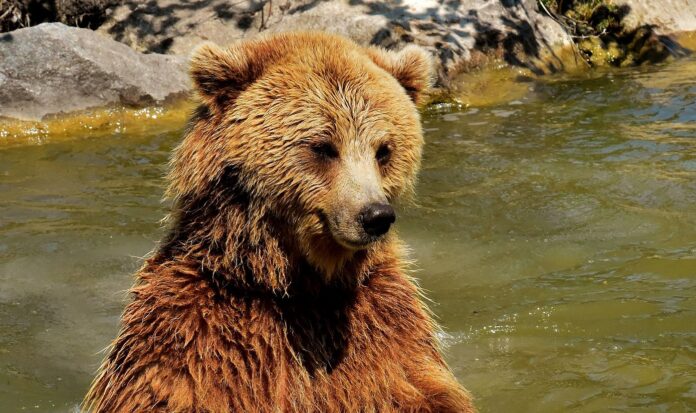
{"x":279,"y":287}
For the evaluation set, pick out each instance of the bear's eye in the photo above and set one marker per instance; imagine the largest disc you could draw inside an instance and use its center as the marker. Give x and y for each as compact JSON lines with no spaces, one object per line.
{"x":383,"y":154}
{"x":325,"y":150}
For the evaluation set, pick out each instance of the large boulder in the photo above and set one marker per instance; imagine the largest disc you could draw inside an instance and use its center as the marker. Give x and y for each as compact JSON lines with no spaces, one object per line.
{"x":459,"y":33}
{"x":52,"y":68}
{"x":175,"y":27}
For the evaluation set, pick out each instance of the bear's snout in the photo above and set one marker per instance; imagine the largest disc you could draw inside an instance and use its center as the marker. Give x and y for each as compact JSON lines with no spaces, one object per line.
{"x":376,"y":218}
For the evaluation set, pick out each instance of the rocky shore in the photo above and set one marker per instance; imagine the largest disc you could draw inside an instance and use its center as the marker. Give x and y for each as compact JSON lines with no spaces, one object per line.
{"x":134,"y":53}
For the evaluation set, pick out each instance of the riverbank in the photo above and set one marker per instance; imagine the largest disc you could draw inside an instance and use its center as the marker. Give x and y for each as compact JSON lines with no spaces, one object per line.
{"x":133,"y":55}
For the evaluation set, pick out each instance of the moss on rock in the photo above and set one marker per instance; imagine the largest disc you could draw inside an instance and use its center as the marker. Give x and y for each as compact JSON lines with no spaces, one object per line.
{"x":604,"y":39}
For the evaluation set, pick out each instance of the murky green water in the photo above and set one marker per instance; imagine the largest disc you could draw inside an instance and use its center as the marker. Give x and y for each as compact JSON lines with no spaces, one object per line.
{"x":555,"y":234}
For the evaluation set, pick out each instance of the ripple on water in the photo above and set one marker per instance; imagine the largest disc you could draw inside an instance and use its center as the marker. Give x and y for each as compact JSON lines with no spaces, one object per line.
{"x":561,"y":249}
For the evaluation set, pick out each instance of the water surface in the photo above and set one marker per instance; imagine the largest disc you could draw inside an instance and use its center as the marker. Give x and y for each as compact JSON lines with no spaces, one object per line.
{"x":555,"y":234}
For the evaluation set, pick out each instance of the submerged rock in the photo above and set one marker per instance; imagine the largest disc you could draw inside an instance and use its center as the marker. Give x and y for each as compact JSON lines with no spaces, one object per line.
{"x":52,"y":68}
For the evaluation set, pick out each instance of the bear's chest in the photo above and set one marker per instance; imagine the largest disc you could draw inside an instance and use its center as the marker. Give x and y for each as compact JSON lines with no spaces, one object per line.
{"x":336,"y":353}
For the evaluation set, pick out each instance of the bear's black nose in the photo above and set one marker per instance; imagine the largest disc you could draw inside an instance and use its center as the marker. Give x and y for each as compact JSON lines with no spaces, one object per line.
{"x":377,"y":218}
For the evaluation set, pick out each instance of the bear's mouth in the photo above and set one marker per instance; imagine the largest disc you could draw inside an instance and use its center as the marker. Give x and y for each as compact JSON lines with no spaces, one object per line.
{"x":339,"y":235}
{"x":353,"y":245}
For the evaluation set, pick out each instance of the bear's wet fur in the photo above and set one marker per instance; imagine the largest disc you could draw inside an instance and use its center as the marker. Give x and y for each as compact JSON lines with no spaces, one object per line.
{"x":266,"y":295}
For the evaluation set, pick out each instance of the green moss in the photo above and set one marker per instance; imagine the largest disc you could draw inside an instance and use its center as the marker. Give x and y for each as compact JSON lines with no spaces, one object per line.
{"x":598,"y":28}
{"x":584,"y":18}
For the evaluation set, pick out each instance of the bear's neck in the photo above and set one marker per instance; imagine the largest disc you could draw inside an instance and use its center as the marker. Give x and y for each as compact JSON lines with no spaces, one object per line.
{"x":238,"y":249}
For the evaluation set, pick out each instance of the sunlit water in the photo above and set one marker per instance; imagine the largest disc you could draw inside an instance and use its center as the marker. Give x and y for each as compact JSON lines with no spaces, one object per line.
{"x":556,"y":236}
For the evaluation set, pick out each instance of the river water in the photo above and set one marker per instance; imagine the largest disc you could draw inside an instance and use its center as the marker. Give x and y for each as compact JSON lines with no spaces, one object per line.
{"x":555,"y":234}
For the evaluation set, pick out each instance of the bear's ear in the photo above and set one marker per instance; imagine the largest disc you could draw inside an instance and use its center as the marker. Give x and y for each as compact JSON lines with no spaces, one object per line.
{"x":220,"y":75}
{"x":412,"y":67}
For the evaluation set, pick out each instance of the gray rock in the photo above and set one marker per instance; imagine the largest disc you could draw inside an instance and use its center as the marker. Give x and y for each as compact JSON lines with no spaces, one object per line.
{"x":52,"y":68}
{"x":456,"y":32}
{"x":470,"y":33}
{"x":667,"y":16}
{"x":172,"y":26}
{"x":176,"y":27}
{"x":459,"y":34}
{"x":356,"y":22}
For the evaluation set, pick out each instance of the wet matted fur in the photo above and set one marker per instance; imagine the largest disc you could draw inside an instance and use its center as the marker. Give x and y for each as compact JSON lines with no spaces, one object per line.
{"x":262,"y":298}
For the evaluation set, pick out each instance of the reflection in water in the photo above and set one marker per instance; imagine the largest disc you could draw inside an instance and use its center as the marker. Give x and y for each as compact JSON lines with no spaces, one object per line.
{"x":555,"y":234}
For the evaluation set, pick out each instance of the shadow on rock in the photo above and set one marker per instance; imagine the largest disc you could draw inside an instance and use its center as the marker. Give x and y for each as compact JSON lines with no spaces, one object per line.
{"x":16,"y":14}
{"x":467,"y":36}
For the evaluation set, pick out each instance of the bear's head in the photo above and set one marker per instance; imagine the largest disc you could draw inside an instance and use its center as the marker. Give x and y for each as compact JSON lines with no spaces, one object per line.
{"x":316,"y":136}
